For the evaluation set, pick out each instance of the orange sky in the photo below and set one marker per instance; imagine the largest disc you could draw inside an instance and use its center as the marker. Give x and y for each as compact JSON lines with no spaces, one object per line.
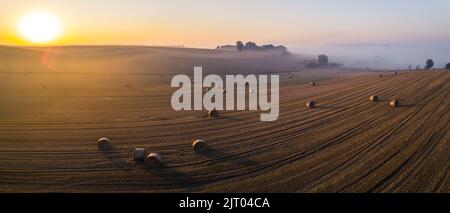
{"x":199,"y":23}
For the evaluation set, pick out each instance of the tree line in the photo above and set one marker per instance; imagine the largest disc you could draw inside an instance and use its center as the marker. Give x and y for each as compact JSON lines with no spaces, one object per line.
{"x":429,"y":63}
{"x":252,"y":46}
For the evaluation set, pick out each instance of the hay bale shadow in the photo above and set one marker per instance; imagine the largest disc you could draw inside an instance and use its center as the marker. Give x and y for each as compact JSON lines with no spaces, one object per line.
{"x":220,"y":117}
{"x":407,"y":105}
{"x":381,"y":99}
{"x":116,"y":159}
{"x":403,"y":103}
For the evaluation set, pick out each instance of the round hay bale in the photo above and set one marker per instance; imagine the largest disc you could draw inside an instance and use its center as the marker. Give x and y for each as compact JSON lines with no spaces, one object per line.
{"x":380,"y":75}
{"x":213,"y":113}
{"x":313,"y":83}
{"x":394,"y":103}
{"x":139,"y":154}
{"x":395,"y":73}
{"x":104,"y":144}
{"x":311,"y":104}
{"x":153,"y":160}
{"x":373,"y":98}
{"x":199,"y":146}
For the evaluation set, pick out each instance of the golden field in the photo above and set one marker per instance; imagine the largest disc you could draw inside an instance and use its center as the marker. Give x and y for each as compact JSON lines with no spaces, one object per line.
{"x":55,"y":103}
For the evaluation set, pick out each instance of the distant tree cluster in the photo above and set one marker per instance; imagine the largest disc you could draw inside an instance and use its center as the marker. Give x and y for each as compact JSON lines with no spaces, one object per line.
{"x":430,"y":64}
{"x":252,"y":46}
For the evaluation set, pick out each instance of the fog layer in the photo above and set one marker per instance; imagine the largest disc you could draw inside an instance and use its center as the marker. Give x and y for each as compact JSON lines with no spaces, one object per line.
{"x":380,"y":55}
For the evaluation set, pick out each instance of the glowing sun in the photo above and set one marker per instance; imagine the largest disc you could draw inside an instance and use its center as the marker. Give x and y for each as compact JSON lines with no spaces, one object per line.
{"x":40,"y":27}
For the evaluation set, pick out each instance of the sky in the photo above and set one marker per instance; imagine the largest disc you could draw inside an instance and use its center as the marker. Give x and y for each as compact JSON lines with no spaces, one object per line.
{"x":298,"y":24}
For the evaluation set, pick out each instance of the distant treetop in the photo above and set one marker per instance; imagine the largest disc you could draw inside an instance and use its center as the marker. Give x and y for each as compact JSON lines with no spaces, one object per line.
{"x":252,"y":46}
{"x":430,"y":64}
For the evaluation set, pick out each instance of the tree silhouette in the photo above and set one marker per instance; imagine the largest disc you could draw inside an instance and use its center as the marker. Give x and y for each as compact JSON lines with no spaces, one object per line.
{"x":240,"y":46}
{"x":251,"y":46}
{"x":430,"y":64}
{"x":447,"y":67}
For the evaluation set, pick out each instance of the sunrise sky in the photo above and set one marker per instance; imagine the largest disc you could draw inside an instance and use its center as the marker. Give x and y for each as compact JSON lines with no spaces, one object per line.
{"x":199,"y":23}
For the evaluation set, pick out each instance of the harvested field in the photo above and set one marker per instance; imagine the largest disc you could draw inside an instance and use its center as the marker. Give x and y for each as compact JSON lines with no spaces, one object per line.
{"x":48,"y":136}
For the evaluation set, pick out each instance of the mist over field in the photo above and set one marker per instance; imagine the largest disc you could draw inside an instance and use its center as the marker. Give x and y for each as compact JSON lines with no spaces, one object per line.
{"x":381,"y":55}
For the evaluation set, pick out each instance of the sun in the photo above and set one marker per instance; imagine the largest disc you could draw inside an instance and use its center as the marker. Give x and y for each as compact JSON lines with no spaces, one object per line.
{"x":40,"y":27}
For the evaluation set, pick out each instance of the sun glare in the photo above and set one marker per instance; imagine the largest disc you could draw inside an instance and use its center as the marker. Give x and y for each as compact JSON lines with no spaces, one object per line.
{"x":40,"y":27}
